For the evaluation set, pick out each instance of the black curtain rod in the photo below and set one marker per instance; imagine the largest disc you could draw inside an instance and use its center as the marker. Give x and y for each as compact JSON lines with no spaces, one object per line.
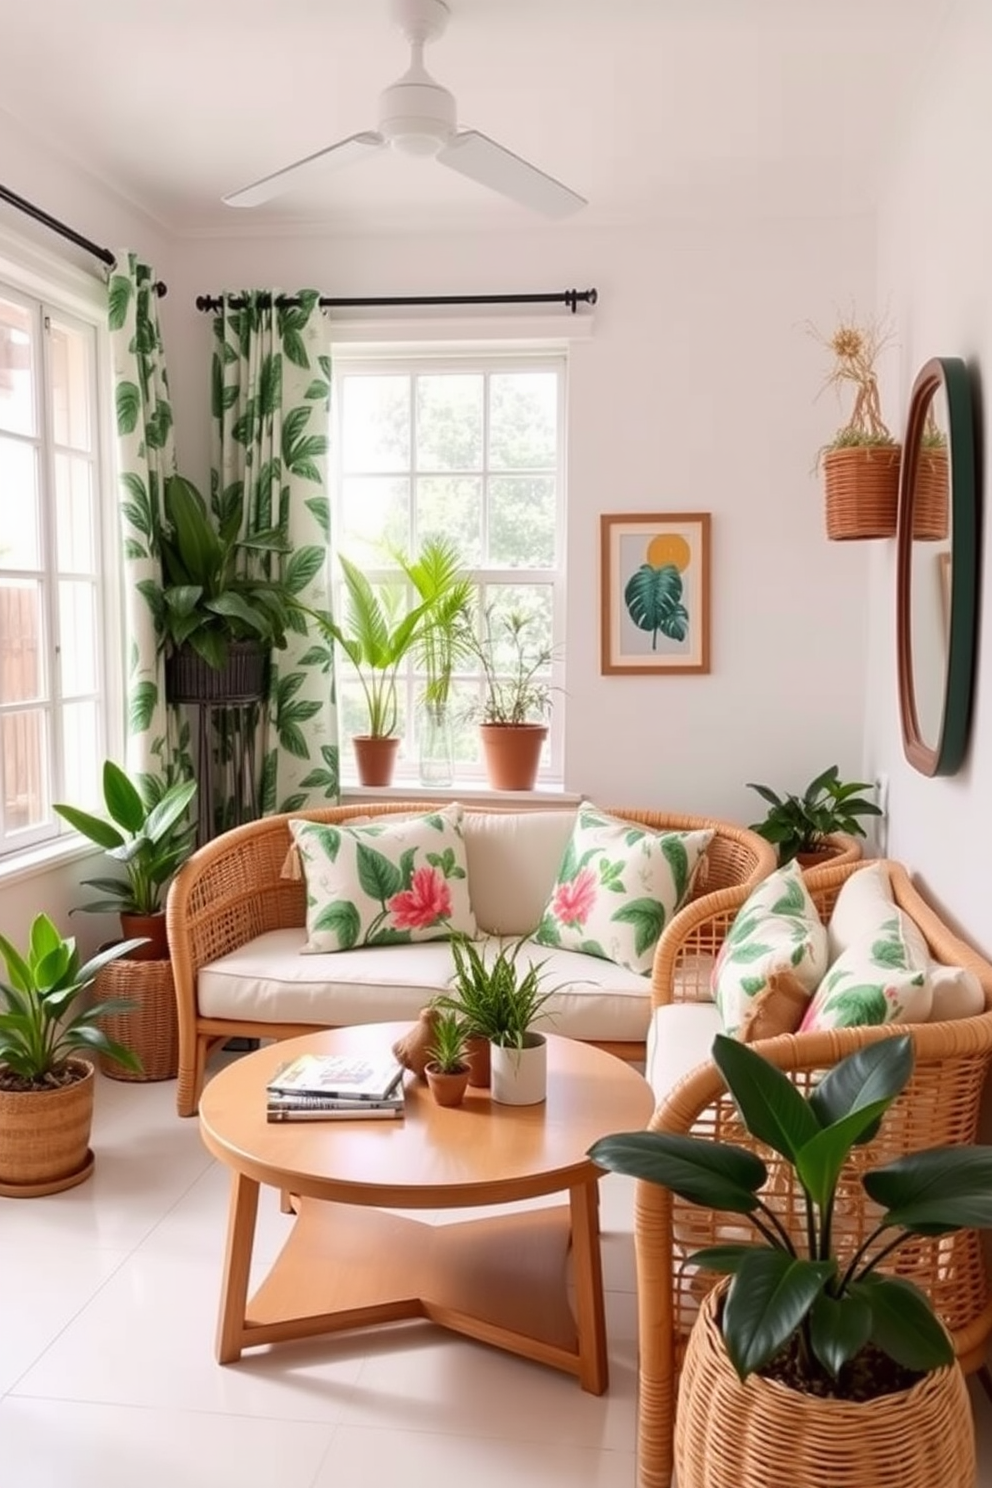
{"x":45,"y":218}
{"x":570,"y":297}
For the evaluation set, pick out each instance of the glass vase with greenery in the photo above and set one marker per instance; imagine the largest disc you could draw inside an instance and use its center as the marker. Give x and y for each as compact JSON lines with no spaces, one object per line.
{"x":443,"y":644}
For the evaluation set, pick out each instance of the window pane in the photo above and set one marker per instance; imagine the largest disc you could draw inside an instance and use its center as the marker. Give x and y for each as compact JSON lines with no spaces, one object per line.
{"x":523,"y":420}
{"x":77,"y":637}
{"x":449,"y":421}
{"x":375,"y":515}
{"x":17,"y":401}
{"x":21,"y":664}
{"x":451,"y":508}
{"x":25,"y":769}
{"x":20,"y":542}
{"x":375,"y":423}
{"x":69,"y":353}
{"x":522,"y":521}
{"x":83,"y":755}
{"x":75,"y":516}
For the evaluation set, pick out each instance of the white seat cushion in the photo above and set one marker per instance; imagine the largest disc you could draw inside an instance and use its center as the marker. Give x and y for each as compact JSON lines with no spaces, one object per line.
{"x":268,"y":980}
{"x":680,"y":1038}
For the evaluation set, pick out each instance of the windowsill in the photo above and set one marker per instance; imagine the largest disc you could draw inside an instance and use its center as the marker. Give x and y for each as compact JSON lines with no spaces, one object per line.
{"x":33,"y":861}
{"x":478,"y":791}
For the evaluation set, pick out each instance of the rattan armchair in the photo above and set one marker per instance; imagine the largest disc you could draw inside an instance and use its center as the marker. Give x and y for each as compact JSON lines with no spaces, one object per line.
{"x":231,"y":890}
{"x":939,"y":1108}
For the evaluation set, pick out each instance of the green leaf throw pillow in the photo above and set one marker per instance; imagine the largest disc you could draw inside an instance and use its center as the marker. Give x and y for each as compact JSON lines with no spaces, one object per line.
{"x":384,"y":883}
{"x":618,"y":886}
{"x":776,"y":929}
{"x":882,"y":978}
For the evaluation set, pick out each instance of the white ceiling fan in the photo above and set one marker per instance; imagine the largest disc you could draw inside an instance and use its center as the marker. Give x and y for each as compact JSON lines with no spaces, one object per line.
{"x":417,"y":116}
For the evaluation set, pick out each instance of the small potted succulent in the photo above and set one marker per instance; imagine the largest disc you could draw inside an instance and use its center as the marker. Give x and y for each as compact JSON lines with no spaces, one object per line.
{"x":861,"y":462}
{"x":46,"y":1088}
{"x":447,"y":1067}
{"x":819,"y":824}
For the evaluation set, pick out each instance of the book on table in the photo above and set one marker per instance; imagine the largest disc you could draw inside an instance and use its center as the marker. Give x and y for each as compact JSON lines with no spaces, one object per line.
{"x":338,"y":1077}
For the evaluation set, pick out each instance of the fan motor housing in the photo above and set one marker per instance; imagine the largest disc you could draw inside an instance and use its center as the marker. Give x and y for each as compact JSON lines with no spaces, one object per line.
{"x":417,"y":117}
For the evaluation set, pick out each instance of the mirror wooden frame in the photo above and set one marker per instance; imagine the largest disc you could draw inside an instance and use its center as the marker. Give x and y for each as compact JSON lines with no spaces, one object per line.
{"x":944,"y":755}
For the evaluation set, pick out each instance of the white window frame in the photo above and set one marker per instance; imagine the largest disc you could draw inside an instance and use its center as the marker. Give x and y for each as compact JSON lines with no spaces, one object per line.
{"x":438,"y":356}
{"x":68,"y":294}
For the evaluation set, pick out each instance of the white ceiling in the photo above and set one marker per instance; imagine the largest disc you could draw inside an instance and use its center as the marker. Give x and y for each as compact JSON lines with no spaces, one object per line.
{"x":646,"y":107}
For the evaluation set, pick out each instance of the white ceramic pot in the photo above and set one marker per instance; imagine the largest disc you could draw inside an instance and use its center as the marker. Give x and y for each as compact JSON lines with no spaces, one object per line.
{"x":519,"y":1077}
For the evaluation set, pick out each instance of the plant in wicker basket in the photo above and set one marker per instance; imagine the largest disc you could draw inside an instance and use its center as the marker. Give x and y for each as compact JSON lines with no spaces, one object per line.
{"x":861,"y":462}
{"x":811,"y":1314}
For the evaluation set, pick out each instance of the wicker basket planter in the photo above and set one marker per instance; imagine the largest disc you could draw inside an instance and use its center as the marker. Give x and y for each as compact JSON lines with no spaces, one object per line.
{"x":760,"y":1434}
{"x":45,"y":1136}
{"x":930,"y":496}
{"x":834,"y":849}
{"x":150,"y":1027}
{"x":862,"y":489}
{"x":188,"y":678}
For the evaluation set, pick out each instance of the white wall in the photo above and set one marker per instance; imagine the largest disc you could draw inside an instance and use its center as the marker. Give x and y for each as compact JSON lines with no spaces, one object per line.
{"x":935,"y":252}
{"x":696,"y":393}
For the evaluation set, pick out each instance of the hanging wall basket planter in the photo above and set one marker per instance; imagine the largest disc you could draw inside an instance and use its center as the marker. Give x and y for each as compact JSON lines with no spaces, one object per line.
{"x":862,"y":490}
{"x":930,"y":496}
{"x":244,"y":679}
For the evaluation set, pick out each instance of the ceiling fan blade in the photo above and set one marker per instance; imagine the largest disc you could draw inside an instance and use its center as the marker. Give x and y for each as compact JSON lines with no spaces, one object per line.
{"x":355,"y":147}
{"x":481,"y":159}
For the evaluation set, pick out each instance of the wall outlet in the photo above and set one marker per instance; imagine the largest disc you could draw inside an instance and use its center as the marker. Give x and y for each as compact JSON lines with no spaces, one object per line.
{"x":882,"y":793}
{"x":880,"y":824}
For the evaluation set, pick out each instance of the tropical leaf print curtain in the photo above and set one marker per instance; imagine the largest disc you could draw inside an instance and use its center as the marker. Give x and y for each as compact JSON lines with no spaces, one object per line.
{"x":157,"y":738}
{"x":270,"y":386}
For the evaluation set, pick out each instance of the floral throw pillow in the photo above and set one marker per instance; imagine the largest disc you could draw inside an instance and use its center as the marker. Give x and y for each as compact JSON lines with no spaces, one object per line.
{"x":384,"y":883}
{"x":618,"y":886}
{"x":776,"y":929}
{"x":881,"y":979}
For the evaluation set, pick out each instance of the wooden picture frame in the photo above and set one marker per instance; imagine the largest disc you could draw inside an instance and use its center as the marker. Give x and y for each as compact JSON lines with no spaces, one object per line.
{"x":654,"y":592}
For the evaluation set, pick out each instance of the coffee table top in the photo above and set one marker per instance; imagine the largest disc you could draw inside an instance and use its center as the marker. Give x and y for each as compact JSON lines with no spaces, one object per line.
{"x":478,"y":1153}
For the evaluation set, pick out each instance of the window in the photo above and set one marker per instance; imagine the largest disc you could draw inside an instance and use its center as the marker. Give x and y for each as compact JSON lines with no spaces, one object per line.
{"x":52,"y":625}
{"x":470,"y":448}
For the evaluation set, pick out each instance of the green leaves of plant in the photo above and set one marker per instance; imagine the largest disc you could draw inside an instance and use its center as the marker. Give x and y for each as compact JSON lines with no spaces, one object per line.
{"x":769,"y":1296}
{"x":902,"y":1322}
{"x":933,"y":1192}
{"x":772,"y":1108}
{"x":715,"y":1174}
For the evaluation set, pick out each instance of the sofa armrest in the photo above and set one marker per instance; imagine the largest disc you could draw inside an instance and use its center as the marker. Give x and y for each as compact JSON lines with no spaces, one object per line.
{"x":689,"y":944}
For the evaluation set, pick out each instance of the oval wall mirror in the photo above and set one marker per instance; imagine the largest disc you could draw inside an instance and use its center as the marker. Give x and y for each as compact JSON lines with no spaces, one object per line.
{"x":937,"y":568}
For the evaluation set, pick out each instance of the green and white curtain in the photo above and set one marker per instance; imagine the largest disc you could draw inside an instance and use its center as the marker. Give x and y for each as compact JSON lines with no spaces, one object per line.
{"x":157,"y":737}
{"x":270,"y":392}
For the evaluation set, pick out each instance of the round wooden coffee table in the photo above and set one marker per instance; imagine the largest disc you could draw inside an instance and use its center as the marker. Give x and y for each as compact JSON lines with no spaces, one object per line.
{"x":345,"y":1264}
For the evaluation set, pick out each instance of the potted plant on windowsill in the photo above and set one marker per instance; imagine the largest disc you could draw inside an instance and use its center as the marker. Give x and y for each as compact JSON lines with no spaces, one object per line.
{"x":819,"y":825}
{"x":811,"y":1354}
{"x":444,"y":640}
{"x":498,"y":998}
{"x":515,"y":669}
{"x":46,"y":1088}
{"x":861,"y":462}
{"x":376,"y":635}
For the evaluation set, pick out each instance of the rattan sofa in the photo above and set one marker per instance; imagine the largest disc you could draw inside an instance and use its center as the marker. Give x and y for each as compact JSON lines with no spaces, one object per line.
{"x":232,"y":891}
{"x":939,"y":1108}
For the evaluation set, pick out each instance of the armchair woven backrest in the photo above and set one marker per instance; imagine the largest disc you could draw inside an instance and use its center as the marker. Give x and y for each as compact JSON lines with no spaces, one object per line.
{"x":940,"y":1107}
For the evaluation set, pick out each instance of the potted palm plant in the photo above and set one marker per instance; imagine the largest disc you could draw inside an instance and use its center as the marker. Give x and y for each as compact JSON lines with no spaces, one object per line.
{"x":515,"y":670}
{"x":818,"y":825}
{"x":149,"y":836}
{"x":812,"y":1354}
{"x":498,"y":998}
{"x":46,"y":1088}
{"x":443,"y":642}
{"x":861,"y":462}
{"x":377,"y":634}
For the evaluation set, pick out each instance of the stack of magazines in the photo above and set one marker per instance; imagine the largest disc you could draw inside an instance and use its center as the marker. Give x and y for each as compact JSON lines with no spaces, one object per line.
{"x":335,"y":1087}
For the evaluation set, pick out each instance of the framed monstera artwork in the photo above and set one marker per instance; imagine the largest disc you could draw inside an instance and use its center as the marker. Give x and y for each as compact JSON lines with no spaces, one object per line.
{"x":655,"y":592}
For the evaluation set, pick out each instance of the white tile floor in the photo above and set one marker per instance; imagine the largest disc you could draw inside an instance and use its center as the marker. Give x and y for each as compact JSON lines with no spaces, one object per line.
{"x":108,"y":1297}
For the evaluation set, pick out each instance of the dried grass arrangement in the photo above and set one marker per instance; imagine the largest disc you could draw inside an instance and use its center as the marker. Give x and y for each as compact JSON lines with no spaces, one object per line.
{"x":861,"y":462}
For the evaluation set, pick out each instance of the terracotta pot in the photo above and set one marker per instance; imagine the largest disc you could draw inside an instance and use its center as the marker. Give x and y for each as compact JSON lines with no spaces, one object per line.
{"x":479,"y":1063}
{"x":375,"y":758}
{"x":45,"y":1136}
{"x":447,"y":1086}
{"x":151,"y":926}
{"x":734,"y":1434}
{"x":513,"y":753}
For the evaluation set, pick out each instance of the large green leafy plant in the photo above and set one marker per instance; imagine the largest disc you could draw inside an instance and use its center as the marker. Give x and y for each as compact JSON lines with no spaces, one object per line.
{"x":148,"y":835}
{"x":796,"y":824}
{"x":378,"y":632}
{"x":215,"y":587}
{"x":44,"y":1016}
{"x":786,"y":1290}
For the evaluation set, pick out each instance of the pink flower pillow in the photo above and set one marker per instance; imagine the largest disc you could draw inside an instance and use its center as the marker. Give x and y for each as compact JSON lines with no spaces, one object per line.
{"x":618,"y":886}
{"x":384,"y":882}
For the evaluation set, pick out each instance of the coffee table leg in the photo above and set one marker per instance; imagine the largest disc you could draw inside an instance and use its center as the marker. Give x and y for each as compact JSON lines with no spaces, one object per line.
{"x":241,"y":1215}
{"x":587,"y":1273}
